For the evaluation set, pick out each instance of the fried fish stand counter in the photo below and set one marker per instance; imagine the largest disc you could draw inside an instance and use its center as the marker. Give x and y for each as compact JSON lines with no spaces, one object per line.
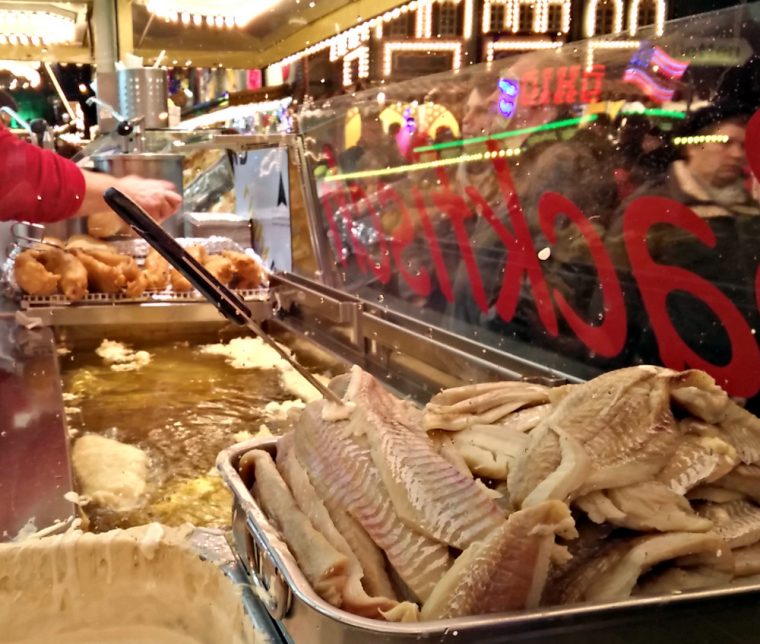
{"x":618,"y":505}
{"x":541,"y":488}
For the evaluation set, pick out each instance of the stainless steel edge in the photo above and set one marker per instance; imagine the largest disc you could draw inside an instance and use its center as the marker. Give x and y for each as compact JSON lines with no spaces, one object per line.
{"x":643,"y":619}
{"x":144,"y":313}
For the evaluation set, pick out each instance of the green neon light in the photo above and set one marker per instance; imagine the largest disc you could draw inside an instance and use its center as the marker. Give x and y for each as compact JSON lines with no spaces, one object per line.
{"x":657,"y":111}
{"x":554,"y":125}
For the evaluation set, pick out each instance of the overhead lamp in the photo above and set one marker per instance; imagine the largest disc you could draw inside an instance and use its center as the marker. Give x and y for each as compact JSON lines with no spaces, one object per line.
{"x":36,"y":23}
{"x":214,"y":13}
{"x":28,"y":72}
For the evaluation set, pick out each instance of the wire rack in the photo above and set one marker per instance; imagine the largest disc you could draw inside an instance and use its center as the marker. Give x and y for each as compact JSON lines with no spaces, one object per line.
{"x":106,"y":299}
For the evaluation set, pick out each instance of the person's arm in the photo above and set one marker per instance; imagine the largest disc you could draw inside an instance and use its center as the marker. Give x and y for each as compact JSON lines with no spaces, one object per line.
{"x":158,"y":198}
{"x":40,"y":186}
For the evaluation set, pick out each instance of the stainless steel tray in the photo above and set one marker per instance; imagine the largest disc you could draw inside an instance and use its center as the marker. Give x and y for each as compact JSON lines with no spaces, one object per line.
{"x":723,"y":615}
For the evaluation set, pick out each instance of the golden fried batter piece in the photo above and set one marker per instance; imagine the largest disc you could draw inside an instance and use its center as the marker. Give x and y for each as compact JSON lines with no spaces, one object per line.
{"x":86,"y":242}
{"x":220,"y":267}
{"x":107,"y":224}
{"x":156,"y":271}
{"x":71,"y":271}
{"x":248,"y":273}
{"x":137,"y":283}
{"x":32,"y":276}
{"x":179,"y":282}
{"x":102,"y":278}
{"x":110,"y":257}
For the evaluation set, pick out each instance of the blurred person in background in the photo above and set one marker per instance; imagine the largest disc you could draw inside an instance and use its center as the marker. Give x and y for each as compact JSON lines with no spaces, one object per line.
{"x":573,"y":163}
{"x":40,"y":186}
{"x":709,"y":178}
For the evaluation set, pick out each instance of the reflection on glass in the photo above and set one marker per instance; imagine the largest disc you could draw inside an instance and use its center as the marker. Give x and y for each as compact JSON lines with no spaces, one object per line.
{"x":586,"y":207}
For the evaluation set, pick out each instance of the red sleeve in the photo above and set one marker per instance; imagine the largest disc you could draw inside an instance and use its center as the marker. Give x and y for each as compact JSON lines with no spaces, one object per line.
{"x":36,"y":185}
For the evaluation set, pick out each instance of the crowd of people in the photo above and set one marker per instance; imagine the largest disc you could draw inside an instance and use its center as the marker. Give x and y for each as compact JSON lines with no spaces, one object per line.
{"x":601,"y":165}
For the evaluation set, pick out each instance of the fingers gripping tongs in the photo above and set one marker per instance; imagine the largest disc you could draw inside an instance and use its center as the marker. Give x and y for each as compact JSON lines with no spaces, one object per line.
{"x":229,"y":304}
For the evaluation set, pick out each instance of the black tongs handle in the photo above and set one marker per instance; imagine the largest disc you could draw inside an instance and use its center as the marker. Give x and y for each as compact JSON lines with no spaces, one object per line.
{"x":229,"y":304}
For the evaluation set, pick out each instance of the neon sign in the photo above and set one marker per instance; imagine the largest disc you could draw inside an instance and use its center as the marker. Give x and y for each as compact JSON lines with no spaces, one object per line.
{"x":509,"y":90}
{"x":566,"y":85}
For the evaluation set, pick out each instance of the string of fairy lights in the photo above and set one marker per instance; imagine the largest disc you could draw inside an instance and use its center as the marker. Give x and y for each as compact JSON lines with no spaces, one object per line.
{"x":546,"y":22}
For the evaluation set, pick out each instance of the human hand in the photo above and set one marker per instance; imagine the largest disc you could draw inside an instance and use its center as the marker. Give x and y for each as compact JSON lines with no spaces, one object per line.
{"x":156,"y":197}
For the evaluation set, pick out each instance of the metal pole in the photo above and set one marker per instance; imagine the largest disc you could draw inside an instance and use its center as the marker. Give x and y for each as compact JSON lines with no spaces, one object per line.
{"x":105,"y":40}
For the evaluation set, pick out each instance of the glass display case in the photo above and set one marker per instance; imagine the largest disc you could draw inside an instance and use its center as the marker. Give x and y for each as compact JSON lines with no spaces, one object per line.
{"x":585,"y":207}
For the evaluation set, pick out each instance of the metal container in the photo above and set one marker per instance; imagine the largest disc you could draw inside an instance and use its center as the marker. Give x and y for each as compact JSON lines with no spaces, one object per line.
{"x":727,"y":614}
{"x":143,"y":92}
{"x":150,"y":166}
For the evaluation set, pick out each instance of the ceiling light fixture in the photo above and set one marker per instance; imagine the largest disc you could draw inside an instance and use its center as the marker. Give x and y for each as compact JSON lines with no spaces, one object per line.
{"x":215,"y":13}
{"x":33,"y":24}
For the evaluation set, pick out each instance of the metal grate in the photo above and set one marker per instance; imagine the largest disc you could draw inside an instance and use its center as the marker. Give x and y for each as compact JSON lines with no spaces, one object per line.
{"x":58,"y":300}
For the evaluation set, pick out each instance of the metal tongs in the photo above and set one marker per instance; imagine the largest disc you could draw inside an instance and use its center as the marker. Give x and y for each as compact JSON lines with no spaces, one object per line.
{"x":229,"y":304}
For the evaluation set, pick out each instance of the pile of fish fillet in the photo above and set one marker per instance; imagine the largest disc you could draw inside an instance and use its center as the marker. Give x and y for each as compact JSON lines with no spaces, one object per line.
{"x":508,"y":496}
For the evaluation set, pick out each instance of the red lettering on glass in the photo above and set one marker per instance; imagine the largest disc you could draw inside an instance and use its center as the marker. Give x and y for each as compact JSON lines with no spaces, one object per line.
{"x":401,"y":237}
{"x":591,"y":84}
{"x":380,"y":267}
{"x":740,"y":377}
{"x":522,"y":250}
{"x":435,"y":249}
{"x":521,"y":261}
{"x":457,"y":210}
{"x":752,"y":144}
{"x":327,"y":206}
{"x":529,"y":88}
{"x":608,"y":338}
{"x":342,"y":206}
{"x":567,"y":79}
{"x":546,"y":92}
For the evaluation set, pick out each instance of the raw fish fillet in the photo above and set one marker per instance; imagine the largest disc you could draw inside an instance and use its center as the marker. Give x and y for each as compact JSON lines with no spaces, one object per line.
{"x":614,"y":572}
{"x":355,"y":599}
{"x":456,"y":395}
{"x":744,"y":479}
{"x":446,"y":448}
{"x":341,"y":469}
{"x":525,"y":419}
{"x":747,"y":560}
{"x":698,"y":459}
{"x":427,"y":492}
{"x":623,"y":423}
{"x":698,"y":394}
{"x":505,"y":572}
{"x":490,"y":450}
{"x":737,"y":426}
{"x":678,"y":580}
{"x":738,"y":522}
{"x":321,"y":563}
{"x":455,"y":409}
{"x":649,"y":506}
{"x":714,"y":494}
